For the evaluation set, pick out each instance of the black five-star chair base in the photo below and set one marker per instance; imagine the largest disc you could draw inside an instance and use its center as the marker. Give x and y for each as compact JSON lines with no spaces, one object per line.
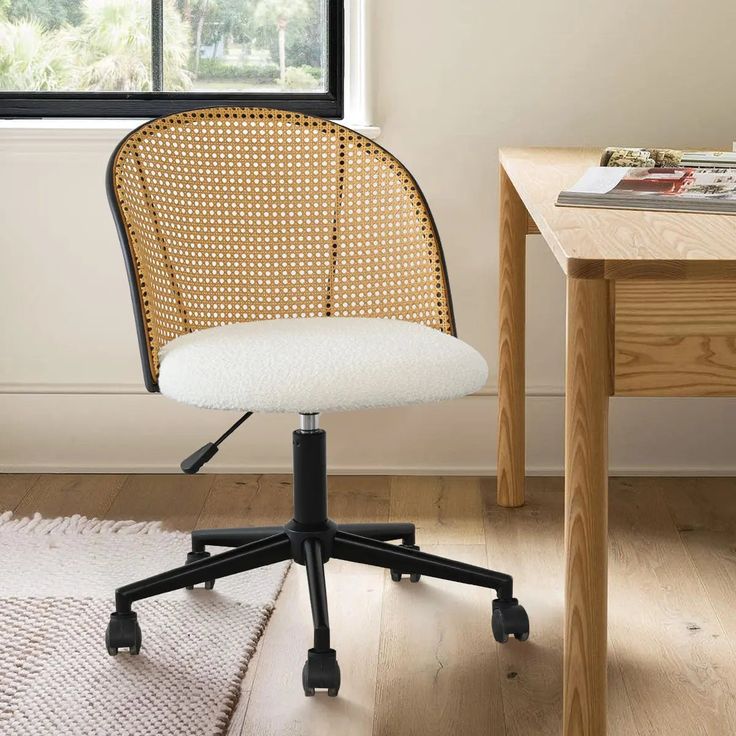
{"x":311,"y":539}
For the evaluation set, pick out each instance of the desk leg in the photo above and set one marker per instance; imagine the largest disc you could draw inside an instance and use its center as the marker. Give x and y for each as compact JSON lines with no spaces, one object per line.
{"x":586,"y":508}
{"x":511,"y":371}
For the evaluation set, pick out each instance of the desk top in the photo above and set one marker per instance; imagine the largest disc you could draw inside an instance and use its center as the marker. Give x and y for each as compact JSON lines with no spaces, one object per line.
{"x":616,"y":244}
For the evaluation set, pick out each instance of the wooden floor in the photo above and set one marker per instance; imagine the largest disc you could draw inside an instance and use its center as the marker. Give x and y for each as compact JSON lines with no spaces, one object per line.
{"x":420,"y":659}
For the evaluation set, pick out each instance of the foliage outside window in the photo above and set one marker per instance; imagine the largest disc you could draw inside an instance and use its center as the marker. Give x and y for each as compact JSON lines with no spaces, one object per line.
{"x":143,"y":57}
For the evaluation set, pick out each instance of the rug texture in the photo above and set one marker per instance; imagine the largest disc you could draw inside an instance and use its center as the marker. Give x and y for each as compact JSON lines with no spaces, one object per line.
{"x":57,"y":578}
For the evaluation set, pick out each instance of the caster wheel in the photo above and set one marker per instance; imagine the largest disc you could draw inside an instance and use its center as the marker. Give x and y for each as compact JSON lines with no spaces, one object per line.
{"x":123,"y":631}
{"x":322,"y":671}
{"x":509,"y":618}
{"x":415,"y":577}
{"x":195,"y":557}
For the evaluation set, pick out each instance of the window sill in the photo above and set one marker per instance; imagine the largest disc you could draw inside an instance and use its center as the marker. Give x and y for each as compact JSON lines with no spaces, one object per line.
{"x":99,"y":129}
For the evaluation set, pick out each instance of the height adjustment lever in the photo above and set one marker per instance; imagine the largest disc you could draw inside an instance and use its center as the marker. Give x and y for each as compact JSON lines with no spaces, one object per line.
{"x":198,"y":458}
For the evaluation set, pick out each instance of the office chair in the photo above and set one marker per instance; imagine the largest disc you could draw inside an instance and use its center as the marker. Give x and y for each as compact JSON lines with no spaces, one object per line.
{"x":283,"y":263}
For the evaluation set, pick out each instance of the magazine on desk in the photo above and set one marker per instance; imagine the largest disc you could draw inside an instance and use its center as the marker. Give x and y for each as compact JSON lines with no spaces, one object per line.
{"x":676,"y":189}
{"x":708,"y":159}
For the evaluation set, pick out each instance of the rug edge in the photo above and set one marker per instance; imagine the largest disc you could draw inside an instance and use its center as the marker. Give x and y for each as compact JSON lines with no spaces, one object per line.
{"x":78,"y":524}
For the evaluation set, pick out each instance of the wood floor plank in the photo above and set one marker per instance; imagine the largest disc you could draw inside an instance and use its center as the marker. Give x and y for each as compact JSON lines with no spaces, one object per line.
{"x":446,"y":510}
{"x":237,"y":721}
{"x":247,"y":500}
{"x":438,"y":666}
{"x":68,"y":494}
{"x":177,"y":500}
{"x":277,"y":704}
{"x":531,"y":672}
{"x":680,"y":677}
{"x":704,"y":513}
{"x":275,"y":700}
{"x":13,"y":487}
{"x":358,"y":499}
{"x":528,"y":543}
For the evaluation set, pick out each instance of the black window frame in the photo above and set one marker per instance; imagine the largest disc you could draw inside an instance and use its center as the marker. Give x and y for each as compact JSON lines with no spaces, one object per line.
{"x":327,"y":104}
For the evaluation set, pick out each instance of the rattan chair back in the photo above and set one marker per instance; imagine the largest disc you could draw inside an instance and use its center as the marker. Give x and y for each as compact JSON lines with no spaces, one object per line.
{"x":239,"y":214}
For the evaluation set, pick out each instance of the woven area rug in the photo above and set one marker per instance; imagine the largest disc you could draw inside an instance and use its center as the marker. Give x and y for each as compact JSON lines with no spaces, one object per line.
{"x":57,"y":577}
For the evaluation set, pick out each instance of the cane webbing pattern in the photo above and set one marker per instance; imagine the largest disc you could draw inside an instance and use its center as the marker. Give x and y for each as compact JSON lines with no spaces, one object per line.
{"x":240,"y":214}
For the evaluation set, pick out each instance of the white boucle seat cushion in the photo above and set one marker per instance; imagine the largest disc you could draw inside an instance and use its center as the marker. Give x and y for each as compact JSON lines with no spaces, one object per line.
{"x":318,"y":364}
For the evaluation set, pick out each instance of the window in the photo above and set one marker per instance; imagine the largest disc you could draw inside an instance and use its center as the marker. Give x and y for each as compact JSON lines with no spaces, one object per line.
{"x":143,"y":58}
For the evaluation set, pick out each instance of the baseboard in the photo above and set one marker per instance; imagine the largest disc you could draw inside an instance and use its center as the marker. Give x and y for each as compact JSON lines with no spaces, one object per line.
{"x":484,"y":472}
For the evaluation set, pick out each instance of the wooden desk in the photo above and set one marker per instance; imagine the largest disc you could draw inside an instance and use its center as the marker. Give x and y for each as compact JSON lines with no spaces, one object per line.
{"x":651,"y":311}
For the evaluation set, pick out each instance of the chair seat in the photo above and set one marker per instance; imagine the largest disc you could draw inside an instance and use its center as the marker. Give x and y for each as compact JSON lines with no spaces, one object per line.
{"x":318,"y":364}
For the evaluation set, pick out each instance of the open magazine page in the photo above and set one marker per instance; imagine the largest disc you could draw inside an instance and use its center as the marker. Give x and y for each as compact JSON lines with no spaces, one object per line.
{"x":601,"y":179}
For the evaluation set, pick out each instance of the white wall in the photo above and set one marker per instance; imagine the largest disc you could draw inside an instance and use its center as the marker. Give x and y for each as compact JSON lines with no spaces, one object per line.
{"x":452,"y":82}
